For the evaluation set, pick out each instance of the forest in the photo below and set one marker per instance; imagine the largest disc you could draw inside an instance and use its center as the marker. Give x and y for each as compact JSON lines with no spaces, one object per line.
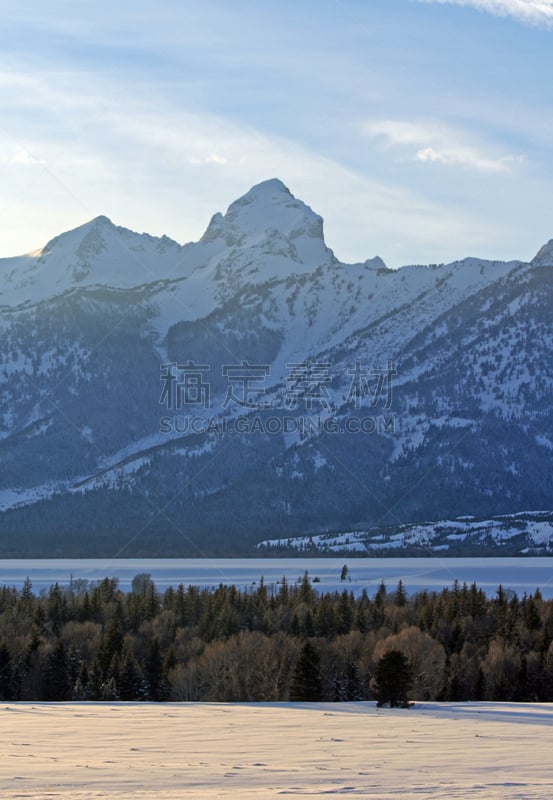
{"x":94,"y":641}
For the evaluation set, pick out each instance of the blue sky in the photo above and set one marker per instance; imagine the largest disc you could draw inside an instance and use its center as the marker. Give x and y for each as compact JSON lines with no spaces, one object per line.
{"x":421,"y":130}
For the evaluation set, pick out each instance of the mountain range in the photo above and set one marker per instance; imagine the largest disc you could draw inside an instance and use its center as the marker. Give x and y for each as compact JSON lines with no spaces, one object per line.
{"x":162,"y":399}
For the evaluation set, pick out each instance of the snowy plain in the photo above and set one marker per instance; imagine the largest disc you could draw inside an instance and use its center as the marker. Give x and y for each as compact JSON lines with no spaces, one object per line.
{"x":524,"y":574}
{"x":463,"y":751}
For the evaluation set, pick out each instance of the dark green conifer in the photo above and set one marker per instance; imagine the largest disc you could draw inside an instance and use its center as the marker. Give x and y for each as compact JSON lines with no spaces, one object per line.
{"x":392,"y":680}
{"x":306,"y":680}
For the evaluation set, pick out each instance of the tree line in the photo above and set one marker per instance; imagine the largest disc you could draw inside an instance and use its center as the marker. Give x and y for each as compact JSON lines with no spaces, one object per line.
{"x":94,"y":641}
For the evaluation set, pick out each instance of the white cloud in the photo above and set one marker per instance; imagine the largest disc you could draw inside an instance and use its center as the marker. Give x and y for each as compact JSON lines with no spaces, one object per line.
{"x":439,"y":144}
{"x":22,"y":156}
{"x":152,"y":166}
{"x":212,"y":158}
{"x":534,"y":12}
{"x":19,"y":156}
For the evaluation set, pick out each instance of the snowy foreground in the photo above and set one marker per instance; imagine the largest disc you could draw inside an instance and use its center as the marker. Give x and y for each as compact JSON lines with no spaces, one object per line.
{"x":434,"y":750}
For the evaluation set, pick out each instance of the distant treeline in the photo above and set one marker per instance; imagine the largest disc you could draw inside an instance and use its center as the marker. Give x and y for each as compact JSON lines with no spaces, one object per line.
{"x":97,"y":642}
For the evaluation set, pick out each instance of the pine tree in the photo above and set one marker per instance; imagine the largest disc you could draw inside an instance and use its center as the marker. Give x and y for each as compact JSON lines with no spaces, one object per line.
{"x":392,"y":680}
{"x":400,"y":595}
{"x":5,"y":673}
{"x":306,"y":680}
{"x":27,"y":595}
{"x":131,"y":681}
{"x":57,"y":682}
{"x":153,"y":672}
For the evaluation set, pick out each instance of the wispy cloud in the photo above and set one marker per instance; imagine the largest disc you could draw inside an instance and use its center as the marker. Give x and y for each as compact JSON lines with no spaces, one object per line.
{"x":438,"y":144}
{"x":212,"y":158}
{"x":533,"y":12}
{"x":151,"y":166}
{"x":20,"y":157}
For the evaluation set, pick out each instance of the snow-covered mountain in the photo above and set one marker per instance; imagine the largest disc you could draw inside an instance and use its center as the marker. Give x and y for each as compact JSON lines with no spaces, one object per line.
{"x":159,"y":398}
{"x":528,"y":533}
{"x":267,"y":234}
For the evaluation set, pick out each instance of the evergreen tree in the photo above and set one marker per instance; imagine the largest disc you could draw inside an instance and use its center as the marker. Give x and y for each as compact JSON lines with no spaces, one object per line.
{"x":400,"y":595}
{"x":81,"y":689}
{"x":392,"y":680}
{"x":131,"y":681}
{"x":306,"y":592}
{"x":153,"y":672}
{"x":308,"y":626}
{"x":27,"y":595}
{"x":57,"y":682}
{"x":5,"y":673}
{"x":345,"y":612}
{"x":306,"y":680}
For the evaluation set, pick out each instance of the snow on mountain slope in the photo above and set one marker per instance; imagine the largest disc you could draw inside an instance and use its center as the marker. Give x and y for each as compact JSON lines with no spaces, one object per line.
{"x":544,"y":256}
{"x":86,"y":323}
{"x":363,"y":312}
{"x":265,"y":234}
{"x":532,"y":532}
{"x":271,"y":217}
{"x":268,"y":239}
{"x":97,"y":253}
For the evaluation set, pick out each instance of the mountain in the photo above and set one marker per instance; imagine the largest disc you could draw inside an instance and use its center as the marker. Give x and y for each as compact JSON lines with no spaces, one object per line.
{"x":167,"y":399}
{"x":528,"y":532}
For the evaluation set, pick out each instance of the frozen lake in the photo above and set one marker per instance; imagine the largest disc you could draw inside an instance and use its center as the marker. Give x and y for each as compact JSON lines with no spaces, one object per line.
{"x":519,"y":574}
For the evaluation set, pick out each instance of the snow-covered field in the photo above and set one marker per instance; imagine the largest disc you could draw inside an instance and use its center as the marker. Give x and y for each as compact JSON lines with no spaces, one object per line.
{"x":433,"y":750}
{"x":432,"y":574}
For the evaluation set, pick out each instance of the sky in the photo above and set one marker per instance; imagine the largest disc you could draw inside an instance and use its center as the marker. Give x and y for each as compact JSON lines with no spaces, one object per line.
{"x":421,"y":130}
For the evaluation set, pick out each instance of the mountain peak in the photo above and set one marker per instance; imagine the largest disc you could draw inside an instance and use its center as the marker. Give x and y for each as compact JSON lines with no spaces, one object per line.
{"x":95,"y":253}
{"x":101,"y":221}
{"x":544,"y":256}
{"x":269,"y":202}
{"x":270,"y":217}
{"x":94,"y":226}
{"x":271,"y":189}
